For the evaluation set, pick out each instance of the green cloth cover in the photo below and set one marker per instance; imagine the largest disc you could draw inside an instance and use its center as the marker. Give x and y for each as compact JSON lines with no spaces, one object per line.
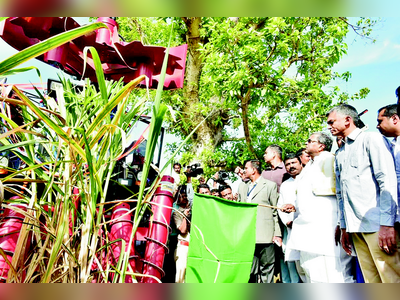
{"x":228,"y":230}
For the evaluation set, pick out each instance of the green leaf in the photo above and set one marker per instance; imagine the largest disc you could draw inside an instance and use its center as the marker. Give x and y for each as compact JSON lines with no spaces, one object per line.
{"x":99,"y":72}
{"x":57,"y":129}
{"x":19,"y":71}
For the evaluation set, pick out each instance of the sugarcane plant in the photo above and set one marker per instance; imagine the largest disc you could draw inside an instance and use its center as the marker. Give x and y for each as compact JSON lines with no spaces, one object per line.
{"x":80,"y":136}
{"x":68,"y":149}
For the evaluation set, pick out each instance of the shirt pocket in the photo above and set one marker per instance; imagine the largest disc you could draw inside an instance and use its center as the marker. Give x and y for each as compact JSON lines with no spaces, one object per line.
{"x":354,"y":163}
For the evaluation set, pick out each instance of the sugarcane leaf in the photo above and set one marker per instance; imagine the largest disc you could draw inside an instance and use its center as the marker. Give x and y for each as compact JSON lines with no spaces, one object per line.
{"x":99,"y":72}
{"x":57,"y":129}
{"x":20,"y":70}
{"x":20,"y":144}
{"x":60,"y":233}
{"x":105,"y":112}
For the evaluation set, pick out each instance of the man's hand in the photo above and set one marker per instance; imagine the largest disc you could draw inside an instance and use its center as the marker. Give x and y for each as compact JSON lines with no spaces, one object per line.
{"x":277,"y":240}
{"x":346,"y":242}
{"x":387,"y":239}
{"x":239,"y":171}
{"x":288,"y":208}
{"x":186,"y":212}
{"x":337,"y":235}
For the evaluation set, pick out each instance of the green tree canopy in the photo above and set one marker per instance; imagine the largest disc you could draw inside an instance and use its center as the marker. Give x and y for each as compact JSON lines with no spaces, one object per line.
{"x":260,"y":80}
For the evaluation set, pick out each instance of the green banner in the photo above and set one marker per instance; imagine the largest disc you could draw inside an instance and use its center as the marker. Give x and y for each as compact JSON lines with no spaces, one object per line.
{"x":222,"y":240}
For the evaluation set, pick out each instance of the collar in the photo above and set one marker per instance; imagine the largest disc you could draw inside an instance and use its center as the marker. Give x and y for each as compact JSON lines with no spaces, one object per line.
{"x":353,"y":135}
{"x":320,"y":156}
{"x":280,"y":166}
{"x":255,"y":182}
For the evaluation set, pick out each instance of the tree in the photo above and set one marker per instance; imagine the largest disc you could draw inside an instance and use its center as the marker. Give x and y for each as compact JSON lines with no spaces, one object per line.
{"x":260,"y":81}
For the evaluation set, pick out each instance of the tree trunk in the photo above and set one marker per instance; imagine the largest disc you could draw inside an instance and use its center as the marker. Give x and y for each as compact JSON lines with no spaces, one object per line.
{"x":208,"y":135}
{"x":245,"y":120}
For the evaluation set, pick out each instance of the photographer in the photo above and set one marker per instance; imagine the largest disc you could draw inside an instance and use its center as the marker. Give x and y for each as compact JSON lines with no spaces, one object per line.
{"x":218,"y":179}
{"x":192,"y":171}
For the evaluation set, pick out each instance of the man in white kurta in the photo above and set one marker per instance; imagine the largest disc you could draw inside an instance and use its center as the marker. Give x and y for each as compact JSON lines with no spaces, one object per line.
{"x":290,"y":265}
{"x":316,"y":217}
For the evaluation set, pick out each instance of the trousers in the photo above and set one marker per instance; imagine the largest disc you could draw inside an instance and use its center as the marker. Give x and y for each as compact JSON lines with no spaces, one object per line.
{"x":289,"y":272}
{"x":262,"y":269}
{"x":181,"y":254}
{"x":326,"y":269}
{"x":376,"y":265}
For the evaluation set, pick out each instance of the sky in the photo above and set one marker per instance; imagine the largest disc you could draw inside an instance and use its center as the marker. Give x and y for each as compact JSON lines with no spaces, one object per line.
{"x":373,"y":65}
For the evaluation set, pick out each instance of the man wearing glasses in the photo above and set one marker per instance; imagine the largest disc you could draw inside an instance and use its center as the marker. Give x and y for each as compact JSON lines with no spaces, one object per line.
{"x":313,"y":229}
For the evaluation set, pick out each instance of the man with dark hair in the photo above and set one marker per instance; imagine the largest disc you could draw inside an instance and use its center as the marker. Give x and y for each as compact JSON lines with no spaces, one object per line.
{"x":366,"y":190}
{"x":313,"y":229}
{"x":262,"y":191}
{"x":203,"y":189}
{"x":273,"y":157}
{"x":226,"y":192}
{"x":177,"y":167}
{"x":292,"y":156}
{"x":290,"y":262}
{"x":303,"y":155}
{"x":276,"y":173}
{"x":389,"y":126}
{"x":388,"y":121}
{"x":176,"y":175}
{"x":215,"y":192}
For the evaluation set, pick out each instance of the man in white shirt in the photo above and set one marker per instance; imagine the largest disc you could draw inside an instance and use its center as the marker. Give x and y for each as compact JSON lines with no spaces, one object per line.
{"x":317,"y":216}
{"x":290,"y":264}
{"x":176,"y":175}
{"x":366,"y":190}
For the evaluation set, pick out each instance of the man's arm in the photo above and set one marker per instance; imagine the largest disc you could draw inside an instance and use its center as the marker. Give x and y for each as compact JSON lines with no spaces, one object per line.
{"x":285,"y":194}
{"x":190,"y":191}
{"x":181,"y":221}
{"x":339,"y":197}
{"x":341,"y":235}
{"x":241,"y":188}
{"x":384,"y":172}
{"x":273,"y":198}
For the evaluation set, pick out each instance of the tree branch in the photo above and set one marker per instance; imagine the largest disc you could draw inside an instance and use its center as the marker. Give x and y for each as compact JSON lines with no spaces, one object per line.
{"x":355,"y":28}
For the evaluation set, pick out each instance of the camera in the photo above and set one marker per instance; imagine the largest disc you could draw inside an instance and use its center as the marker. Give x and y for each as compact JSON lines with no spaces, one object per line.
{"x":223,"y":175}
{"x":193,"y":170}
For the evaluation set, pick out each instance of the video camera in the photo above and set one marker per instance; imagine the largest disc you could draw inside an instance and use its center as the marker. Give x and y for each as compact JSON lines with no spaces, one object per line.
{"x":223,"y":175}
{"x":193,"y":170}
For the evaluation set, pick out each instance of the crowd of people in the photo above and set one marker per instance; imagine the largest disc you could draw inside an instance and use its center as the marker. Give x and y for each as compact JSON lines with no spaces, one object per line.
{"x":323,"y":217}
